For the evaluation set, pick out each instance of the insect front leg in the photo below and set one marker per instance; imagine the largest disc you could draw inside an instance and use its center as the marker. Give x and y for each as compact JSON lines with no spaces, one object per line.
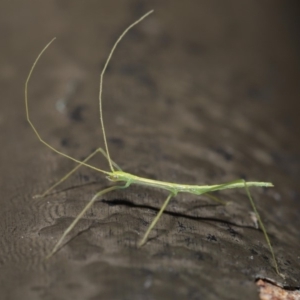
{"x":90,"y":203}
{"x":74,"y":170}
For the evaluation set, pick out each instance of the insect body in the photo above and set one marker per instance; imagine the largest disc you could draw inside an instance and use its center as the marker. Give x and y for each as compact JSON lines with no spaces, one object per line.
{"x":118,"y":176}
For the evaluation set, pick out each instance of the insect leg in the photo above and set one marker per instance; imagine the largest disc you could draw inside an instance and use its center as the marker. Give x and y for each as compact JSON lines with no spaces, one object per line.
{"x":75,"y":169}
{"x":262,"y":226}
{"x":142,"y":242}
{"x":66,"y":176}
{"x":216,"y":199}
{"x":90,"y":203}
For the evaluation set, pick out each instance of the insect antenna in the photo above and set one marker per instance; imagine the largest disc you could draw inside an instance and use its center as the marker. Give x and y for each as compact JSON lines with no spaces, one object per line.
{"x":32,"y":125}
{"x":101,"y":83}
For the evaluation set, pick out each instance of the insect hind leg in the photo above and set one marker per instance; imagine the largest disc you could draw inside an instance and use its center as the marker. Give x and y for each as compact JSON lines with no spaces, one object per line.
{"x":262,"y":226}
{"x":216,"y":199}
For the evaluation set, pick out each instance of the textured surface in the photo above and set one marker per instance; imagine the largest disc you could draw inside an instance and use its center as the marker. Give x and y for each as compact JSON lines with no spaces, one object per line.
{"x":268,"y":291}
{"x":200,"y":92}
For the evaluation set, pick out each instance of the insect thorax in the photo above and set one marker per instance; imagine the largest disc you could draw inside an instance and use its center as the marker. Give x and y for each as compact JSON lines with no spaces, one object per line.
{"x":121,"y":176}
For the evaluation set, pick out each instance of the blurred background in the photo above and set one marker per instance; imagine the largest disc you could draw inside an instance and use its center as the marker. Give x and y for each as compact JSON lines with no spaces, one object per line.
{"x":201,"y":92}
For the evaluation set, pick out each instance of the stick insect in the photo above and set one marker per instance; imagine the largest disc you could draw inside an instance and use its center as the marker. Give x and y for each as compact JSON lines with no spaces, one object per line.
{"x":116,"y":174}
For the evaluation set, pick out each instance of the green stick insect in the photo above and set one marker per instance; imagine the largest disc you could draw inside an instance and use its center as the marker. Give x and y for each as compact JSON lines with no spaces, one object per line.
{"x":126,"y":179}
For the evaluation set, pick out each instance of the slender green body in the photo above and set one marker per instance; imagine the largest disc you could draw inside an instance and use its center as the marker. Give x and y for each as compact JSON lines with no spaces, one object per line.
{"x":175,"y":188}
{"x":127,"y":179}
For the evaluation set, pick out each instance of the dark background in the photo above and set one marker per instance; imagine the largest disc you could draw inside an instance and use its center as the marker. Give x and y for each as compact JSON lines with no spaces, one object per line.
{"x":201,"y":92}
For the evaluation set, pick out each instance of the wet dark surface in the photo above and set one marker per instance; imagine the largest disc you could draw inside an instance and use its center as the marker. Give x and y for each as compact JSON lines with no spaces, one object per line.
{"x":199,"y":93}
